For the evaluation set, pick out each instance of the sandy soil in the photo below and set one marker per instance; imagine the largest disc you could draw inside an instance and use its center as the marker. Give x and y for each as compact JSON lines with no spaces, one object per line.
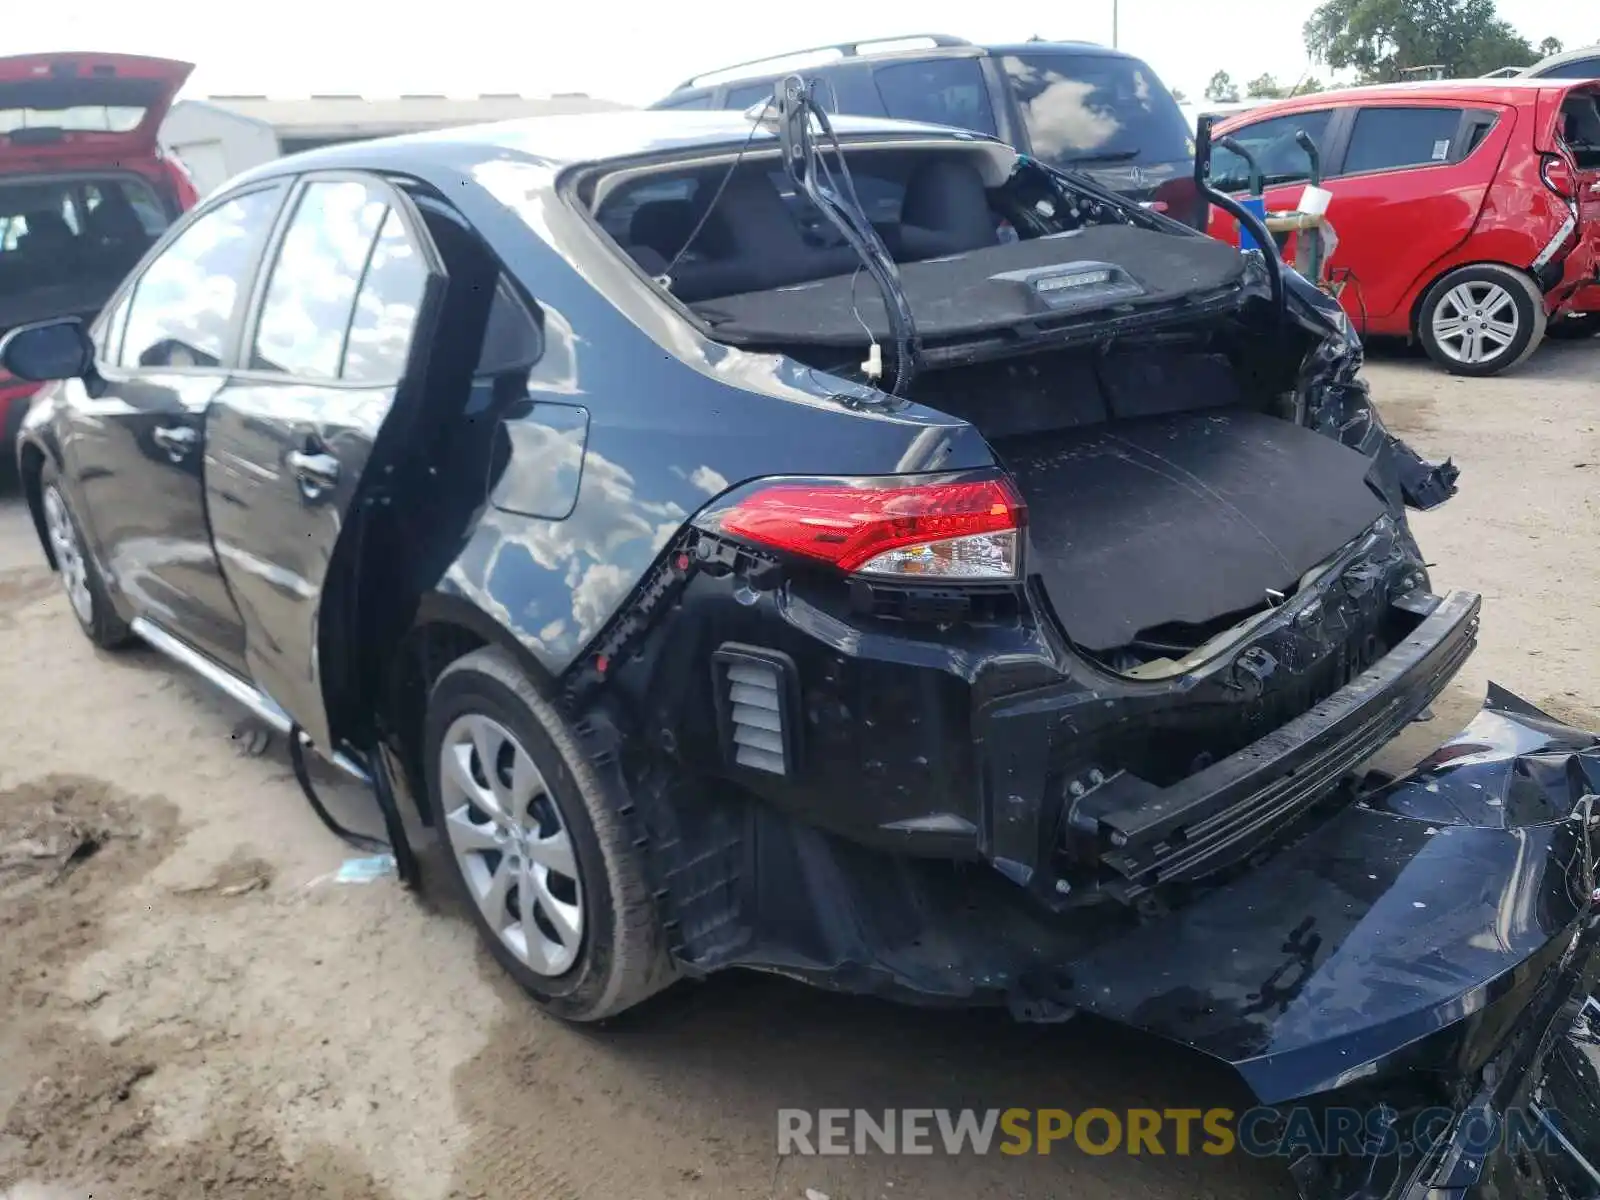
{"x":190,"y":1006}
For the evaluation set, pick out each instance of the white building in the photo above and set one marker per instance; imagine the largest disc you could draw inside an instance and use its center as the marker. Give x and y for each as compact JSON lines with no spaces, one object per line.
{"x":218,"y":136}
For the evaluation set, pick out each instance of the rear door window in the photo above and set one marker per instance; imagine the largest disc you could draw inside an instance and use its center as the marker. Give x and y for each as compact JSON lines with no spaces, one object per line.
{"x":344,"y":291}
{"x":311,"y":291}
{"x":1385,"y":139}
{"x":386,"y":308}
{"x":938,"y":91}
{"x":1096,"y":109}
{"x":1275,"y":145}
{"x":187,"y":299}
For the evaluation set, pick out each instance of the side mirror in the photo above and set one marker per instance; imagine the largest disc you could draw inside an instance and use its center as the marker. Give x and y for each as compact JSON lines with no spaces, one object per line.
{"x":48,"y":350}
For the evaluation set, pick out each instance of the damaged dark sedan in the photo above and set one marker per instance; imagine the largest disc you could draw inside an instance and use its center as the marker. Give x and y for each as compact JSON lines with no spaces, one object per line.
{"x":855,"y":551}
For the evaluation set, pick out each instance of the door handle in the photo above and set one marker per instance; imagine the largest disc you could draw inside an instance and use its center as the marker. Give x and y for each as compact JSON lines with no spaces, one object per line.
{"x":315,"y":472}
{"x":176,"y":440}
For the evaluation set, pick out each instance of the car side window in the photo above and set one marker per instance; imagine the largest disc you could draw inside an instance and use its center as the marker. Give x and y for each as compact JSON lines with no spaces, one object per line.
{"x":940,"y":91}
{"x":746,"y":94}
{"x":1584,"y":68}
{"x":386,"y":308}
{"x":107,"y":333}
{"x":311,"y":291}
{"x":512,"y":339}
{"x":1275,"y":146}
{"x":1388,"y":138}
{"x":187,"y":298}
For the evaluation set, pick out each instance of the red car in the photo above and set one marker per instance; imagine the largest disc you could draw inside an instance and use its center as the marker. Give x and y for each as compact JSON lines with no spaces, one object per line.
{"x":1467,"y":211}
{"x":84,"y":188}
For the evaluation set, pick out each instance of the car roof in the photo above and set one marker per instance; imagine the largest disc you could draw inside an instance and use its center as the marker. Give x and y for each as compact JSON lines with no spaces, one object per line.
{"x":743,"y":74}
{"x":1513,"y":91}
{"x":581,"y":138}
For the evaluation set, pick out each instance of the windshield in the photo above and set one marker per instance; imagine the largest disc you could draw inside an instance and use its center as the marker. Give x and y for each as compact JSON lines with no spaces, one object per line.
{"x":1096,"y":109}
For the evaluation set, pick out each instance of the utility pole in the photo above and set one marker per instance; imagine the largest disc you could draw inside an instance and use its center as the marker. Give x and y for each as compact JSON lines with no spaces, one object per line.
{"x":1114,"y":4}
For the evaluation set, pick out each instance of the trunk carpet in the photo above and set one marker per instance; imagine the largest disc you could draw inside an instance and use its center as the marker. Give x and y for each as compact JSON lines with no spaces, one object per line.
{"x":1182,"y":518}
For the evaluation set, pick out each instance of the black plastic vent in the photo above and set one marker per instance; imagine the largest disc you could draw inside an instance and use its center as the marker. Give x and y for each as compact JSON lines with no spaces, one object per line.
{"x":757,"y":693}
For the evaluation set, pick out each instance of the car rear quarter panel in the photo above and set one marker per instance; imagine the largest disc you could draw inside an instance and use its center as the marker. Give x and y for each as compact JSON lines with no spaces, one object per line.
{"x":1518,"y":218}
{"x":673,"y":420}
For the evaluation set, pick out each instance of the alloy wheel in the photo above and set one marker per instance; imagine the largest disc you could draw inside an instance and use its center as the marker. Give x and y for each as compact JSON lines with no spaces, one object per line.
{"x":511,"y":844}
{"x":1476,"y":322}
{"x":70,"y":564}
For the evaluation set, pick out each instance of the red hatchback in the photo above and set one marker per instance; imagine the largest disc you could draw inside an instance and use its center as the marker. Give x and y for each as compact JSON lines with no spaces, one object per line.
{"x":1467,"y":211}
{"x":84,"y":188}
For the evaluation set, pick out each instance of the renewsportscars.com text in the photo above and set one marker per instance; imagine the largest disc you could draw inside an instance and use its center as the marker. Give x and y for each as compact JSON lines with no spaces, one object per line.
{"x":1258,"y":1132}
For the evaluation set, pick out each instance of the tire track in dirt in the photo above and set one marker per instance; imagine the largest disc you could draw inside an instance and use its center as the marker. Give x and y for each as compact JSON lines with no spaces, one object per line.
{"x":680,"y":1099}
{"x":76,"y":1108}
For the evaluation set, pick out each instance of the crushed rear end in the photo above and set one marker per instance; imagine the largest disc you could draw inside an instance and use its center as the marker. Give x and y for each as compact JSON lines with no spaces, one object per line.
{"x":1081,"y":729}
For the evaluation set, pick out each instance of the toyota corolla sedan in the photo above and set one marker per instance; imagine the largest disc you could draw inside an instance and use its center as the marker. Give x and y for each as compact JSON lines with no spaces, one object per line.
{"x":987,"y":598}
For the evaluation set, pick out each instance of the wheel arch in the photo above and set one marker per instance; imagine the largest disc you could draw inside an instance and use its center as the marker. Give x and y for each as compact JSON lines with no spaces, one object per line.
{"x":446,"y":627}
{"x":1451,"y":268}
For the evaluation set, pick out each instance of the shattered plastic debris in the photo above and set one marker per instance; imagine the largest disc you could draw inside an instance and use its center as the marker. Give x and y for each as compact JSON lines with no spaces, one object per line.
{"x":359,"y":870}
{"x":364,"y":870}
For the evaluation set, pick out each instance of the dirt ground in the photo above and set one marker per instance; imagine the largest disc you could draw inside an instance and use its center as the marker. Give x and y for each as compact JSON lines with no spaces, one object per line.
{"x":190,"y":1005}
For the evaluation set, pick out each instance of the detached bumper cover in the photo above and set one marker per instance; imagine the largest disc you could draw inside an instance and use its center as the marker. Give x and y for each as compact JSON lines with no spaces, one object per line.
{"x":1441,"y":930}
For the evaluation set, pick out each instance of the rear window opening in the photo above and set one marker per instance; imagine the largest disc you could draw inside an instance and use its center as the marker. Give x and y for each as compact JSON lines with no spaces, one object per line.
{"x":41,"y":110}
{"x":1580,"y":129}
{"x":759,"y":263}
{"x":760,"y":233}
{"x":65,"y":243}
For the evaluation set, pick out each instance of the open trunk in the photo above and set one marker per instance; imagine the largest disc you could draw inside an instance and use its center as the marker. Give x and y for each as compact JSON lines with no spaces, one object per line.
{"x":1166,"y":503}
{"x":1172,"y":495}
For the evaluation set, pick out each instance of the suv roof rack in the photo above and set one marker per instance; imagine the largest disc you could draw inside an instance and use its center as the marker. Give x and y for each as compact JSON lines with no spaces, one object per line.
{"x":861,"y":49}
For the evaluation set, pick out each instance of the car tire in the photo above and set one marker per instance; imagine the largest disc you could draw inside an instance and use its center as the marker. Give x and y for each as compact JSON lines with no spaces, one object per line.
{"x":538,"y":845}
{"x":1481,"y":320}
{"x":1574,"y":327}
{"x":80,"y":575}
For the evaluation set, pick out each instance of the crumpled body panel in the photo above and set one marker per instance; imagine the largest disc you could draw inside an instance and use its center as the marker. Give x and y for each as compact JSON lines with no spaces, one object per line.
{"x":1429,"y":948}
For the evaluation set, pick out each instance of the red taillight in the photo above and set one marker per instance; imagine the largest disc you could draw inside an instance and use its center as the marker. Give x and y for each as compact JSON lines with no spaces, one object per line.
{"x":961,"y":528}
{"x":1558,"y":176}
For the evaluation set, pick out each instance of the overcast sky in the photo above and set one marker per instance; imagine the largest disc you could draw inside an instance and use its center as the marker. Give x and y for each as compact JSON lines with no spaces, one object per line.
{"x":635,"y":52}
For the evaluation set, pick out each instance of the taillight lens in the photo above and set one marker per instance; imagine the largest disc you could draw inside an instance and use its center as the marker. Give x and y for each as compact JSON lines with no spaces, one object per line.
{"x":1558,"y":176}
{"x":911,"y":529}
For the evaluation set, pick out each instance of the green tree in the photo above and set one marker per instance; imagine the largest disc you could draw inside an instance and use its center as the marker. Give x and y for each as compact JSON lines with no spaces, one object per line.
{"x":1307,"y":86}
{"x":1222,"y":89}
{"x":1264,"y":87}
{"x":1380,"y":39}
{"x":1551,"y":45}
{"x":1181,"y":96}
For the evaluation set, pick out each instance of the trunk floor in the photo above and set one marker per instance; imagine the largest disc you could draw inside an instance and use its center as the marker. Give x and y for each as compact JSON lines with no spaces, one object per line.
{"x":1182,"y":518}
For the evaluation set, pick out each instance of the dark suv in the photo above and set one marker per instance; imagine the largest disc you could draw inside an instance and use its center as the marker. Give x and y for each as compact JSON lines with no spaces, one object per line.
{"x":1073,"y":105}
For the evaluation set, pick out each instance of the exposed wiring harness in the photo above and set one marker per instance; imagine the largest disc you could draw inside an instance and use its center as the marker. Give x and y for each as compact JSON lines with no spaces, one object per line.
{"x":836,"y":199}
{"x":722,"y":186}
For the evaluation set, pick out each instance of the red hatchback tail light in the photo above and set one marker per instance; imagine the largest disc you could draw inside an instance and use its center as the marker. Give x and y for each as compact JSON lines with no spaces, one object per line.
{"x":949,"y":528}
{"x":1559,"y":176}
